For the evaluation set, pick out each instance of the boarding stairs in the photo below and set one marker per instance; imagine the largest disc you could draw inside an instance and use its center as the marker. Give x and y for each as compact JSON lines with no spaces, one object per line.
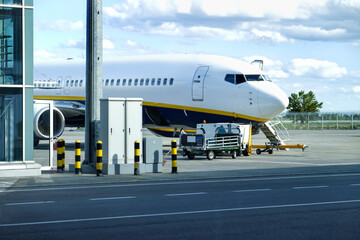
{"x":275,"y":131}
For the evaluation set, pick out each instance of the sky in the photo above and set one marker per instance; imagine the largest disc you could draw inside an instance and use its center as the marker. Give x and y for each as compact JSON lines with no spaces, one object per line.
{"x":305,"y":44}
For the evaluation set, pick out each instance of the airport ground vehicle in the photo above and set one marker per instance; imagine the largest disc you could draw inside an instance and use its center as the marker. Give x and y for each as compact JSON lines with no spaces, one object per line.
{"x":212,"y":139}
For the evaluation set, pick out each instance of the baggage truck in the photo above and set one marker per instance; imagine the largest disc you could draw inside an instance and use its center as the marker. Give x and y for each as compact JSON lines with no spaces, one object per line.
{"x":214,"y":139}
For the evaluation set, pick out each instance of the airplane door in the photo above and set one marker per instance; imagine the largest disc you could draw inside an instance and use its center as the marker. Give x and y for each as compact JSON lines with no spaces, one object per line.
{"x":198,"y":83}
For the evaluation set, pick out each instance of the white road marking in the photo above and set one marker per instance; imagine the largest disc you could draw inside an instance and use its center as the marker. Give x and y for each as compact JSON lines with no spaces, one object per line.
{"x":112,"y":198}
{"x":28,"y":203}
{"x":252,"y":190}
{"x":183,"y":182}
{"x":184,"y":194}
{"x":310,"y":187}
{"x":182,"y":213}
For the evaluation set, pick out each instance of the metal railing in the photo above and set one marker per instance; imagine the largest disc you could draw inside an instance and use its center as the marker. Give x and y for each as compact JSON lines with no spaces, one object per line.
{"x":303,"y":120}
{"x":222,"y":142}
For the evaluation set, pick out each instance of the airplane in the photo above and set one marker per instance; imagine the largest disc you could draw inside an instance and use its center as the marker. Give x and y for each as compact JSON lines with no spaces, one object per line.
{"x":178,"y":91}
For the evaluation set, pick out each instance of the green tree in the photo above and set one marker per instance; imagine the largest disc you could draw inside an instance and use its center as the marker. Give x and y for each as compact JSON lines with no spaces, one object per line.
{"x":304,"y":102}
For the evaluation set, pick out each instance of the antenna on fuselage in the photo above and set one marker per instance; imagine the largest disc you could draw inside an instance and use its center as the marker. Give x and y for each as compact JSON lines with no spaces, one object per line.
{"x":259,"y":62}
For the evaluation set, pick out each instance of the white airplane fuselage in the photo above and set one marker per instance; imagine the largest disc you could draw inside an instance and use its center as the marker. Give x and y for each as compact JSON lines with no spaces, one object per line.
{"x":178,"y":90}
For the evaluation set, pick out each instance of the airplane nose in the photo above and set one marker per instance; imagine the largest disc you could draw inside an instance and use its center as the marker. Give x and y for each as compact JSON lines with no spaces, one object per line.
{"x":272,"y":101}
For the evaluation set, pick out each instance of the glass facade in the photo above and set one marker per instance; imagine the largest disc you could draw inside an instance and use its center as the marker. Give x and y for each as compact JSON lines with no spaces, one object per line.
{"x":11,"y":122}
{"x":11,"y":2}
{"x":11,"y":46}
{"x":16,"y":93}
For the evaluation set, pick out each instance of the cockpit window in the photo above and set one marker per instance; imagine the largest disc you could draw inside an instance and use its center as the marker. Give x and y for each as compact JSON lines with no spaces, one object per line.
{"x":235,"y":78}
{"x":266,"y":77}
{"x":254,"y":77}
{"x":230,"y":78}
{"x":240,"y":78}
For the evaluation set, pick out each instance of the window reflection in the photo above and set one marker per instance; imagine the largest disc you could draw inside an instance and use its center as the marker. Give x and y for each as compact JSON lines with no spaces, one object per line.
{"x":11,"y":125}
{"x":10,"y":45}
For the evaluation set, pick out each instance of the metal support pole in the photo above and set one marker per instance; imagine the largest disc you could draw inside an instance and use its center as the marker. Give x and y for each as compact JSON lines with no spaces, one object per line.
{"x":93,"y":78}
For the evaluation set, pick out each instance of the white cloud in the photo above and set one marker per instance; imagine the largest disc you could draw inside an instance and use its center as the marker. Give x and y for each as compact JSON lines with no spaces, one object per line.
{"x":276,"y":21}
{"x":273,"y":68}
{"x":308,"y":33}
{"x":131,"y":43}
{"x":107,"y":44}
{"x":40,"y":54}
{"x":316,"y":68}
{"x":356,"y":89}
{"x":65,"y":25}
{"x":70,"y":43}
{"x":270,"y":36}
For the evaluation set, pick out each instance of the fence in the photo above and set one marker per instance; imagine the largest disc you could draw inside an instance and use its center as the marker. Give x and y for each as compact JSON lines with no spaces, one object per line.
{"x":302,"y":120}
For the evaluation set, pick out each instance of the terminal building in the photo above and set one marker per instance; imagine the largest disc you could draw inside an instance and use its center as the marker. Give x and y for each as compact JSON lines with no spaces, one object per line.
{"x":16,"y":89}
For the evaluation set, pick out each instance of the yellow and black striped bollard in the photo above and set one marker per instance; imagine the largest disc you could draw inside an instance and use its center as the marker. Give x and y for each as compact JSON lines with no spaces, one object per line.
{"x":99,"y":155}
{"x":173,"y":157}
{"x":136,"y":158}
{"x":59,"y":155}
{"x":63,"y":155}
{"x":77,"y":157}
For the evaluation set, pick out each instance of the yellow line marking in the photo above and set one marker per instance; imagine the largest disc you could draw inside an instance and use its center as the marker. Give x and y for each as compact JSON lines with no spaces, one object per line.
{"x":163,"y":105}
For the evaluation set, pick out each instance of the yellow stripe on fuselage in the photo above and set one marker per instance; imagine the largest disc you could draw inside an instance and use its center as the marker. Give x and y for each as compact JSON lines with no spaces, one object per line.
{"x":163,"y":105}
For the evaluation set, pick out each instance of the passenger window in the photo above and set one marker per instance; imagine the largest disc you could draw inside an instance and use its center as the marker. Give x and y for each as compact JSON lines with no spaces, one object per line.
{"x":107,"y":82}
{"x":129,"y":83}
{"x":76,"y":83}
{"x":124,"y":82}
{"x":59,"y":83}
{"x":112,"y":82}
{"x":254,"y":77}
{"x":165,"y":81}
{"x":81,"y":82}
{"x":67,"y":83}
{"x":71,"y":84}
{"x":159,"y":81}
{"x":153,"y":82}
{"x":118,"y":82}
{"x":141,"y":82}
{"x":240,"y":78}
{"x":171,"y":82}
{"x":147,"y":81}
{"x":136,"y":82}
{"x":230,"y":78}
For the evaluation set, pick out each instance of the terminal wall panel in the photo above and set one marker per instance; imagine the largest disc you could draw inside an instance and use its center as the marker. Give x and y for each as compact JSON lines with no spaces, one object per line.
{"x":112,"y":130}
{"x":133,"y":117}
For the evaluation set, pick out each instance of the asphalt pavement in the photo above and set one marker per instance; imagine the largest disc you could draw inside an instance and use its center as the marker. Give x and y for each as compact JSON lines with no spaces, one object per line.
{"x":295,"y":194}
{"x":288,"y":207}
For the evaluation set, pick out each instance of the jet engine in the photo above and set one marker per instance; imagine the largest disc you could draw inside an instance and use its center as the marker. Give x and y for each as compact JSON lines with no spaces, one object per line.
{"x":42,"y":121}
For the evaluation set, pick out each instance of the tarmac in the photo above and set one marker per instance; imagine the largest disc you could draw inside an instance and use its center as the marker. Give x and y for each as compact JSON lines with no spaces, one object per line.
{"x":329,"y":152}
